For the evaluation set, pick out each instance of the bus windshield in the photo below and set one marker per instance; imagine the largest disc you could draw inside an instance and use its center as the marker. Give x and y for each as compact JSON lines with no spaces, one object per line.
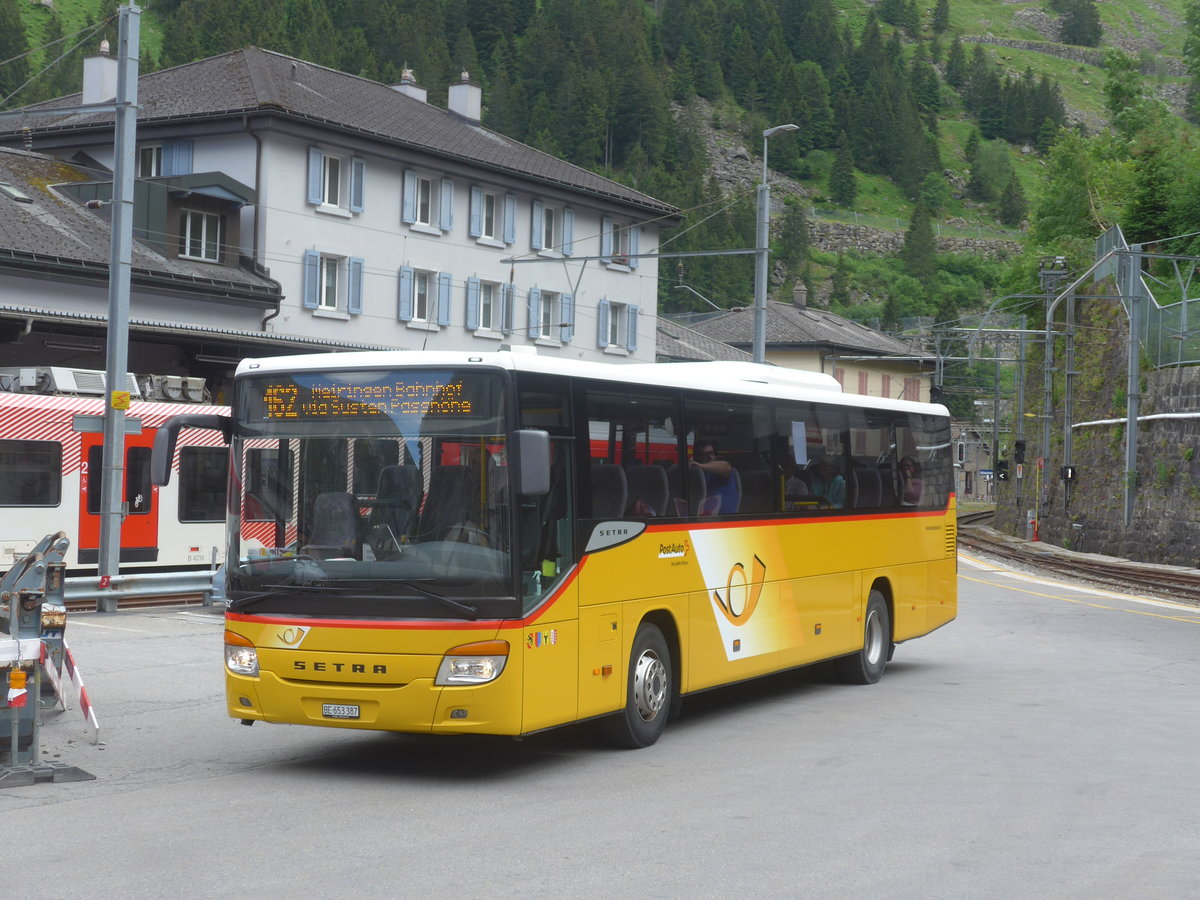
{"x":372,"y":493}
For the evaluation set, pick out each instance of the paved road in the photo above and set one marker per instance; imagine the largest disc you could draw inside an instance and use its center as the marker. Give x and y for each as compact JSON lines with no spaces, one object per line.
{"x":1043,"y":745}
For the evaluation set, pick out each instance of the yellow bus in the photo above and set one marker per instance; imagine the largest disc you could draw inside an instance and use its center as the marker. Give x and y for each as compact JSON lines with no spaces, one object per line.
{"x":502,"y":543}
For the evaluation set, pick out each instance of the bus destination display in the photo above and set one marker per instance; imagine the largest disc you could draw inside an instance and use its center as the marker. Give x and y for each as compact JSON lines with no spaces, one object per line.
{"x":290,"y":400}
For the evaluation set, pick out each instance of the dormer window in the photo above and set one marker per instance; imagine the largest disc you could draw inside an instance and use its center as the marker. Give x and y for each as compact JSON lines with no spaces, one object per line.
{"x":199,"y":235}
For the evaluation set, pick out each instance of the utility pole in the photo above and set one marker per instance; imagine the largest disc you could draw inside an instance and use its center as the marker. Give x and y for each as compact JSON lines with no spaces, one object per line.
{"x":119,"y":270}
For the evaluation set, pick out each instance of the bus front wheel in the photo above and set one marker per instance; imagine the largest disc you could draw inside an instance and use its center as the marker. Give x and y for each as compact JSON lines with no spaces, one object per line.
{"x":866,"y":666}
{"x":648,"y":691}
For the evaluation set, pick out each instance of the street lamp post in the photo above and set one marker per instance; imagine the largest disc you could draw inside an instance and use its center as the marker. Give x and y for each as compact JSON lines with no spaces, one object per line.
{"x":762,"y":246}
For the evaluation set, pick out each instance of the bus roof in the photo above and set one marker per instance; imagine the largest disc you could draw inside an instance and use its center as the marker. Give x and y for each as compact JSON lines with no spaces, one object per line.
{"x":722,"y":376}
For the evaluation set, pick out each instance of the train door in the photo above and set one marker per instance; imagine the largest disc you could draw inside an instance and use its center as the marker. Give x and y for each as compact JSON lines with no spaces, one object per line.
{"x":139,"y":530}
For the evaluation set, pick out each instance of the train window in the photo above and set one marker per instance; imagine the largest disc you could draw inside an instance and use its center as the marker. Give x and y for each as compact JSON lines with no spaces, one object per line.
{"x":203,"y":476}
{"x":139,"y":494}
{"x":268,"y":484}
{"x":30,"y":473}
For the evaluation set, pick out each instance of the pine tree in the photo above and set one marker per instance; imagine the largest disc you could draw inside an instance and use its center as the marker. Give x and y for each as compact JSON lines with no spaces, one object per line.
{"x":1081,"y":24}
{"x":956,"y":65}
{"x":1012,"y":203}
{"x":1147,"y":217}
{"x":941,"y":17}
{"x":843,"y":185}
{"x":919,"y":253}
{"x":839,"y":283}
{"x":12,"y":44}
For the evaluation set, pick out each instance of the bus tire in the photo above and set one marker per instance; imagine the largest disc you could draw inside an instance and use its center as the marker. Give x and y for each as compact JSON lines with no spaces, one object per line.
{"x":867,"y":665}
{"x":648,"y":693}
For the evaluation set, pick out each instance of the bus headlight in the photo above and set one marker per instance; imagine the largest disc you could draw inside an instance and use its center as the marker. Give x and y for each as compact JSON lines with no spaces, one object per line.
{"x":241,"y":656}
{"x":476,"y":663}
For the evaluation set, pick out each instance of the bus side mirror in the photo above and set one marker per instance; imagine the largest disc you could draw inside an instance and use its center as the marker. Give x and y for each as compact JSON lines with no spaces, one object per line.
{"x":168,"y":432}
{"x":532,"y":470}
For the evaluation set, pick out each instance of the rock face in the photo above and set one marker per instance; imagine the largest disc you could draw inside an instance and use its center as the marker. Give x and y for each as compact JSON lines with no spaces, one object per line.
{"x":1165,"y":527}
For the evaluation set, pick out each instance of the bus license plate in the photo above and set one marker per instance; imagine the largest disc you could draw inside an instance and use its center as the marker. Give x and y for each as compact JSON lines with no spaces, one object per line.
{"x":339,"y":711}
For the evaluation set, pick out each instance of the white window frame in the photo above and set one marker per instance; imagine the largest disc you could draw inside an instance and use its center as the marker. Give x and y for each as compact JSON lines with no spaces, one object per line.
{"x":332,"y":187}
{"x":616,"y":322}
{"x":489,"y":305}
{"x":424,"y":294}
{"x":490,"y":215}
{"x":329,"y":286}
{"x":150,"y":159}
{"x":425,"y":197}
{"x":620,"y":244}
{"x":187,"y":224}
{"x":550,"y":326}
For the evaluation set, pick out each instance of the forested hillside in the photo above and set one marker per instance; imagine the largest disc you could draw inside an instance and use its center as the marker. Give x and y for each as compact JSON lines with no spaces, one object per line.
{"x":1040,"y":121}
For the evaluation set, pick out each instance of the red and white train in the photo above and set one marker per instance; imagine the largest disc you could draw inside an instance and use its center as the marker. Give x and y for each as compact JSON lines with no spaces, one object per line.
{"x":47,"y":454}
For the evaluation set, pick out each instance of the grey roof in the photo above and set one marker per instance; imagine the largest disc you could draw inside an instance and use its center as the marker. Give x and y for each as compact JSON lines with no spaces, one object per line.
{"x":679,"y":343}
{"x":54,"y":235}
{"x":794,"y":328}
{"x":255,"y":80}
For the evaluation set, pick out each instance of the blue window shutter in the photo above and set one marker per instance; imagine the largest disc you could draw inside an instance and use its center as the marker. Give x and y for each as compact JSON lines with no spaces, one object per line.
{"x":568,"y":318}
{"x":358,"y":171}
{"x":534,"y":306}
{"x":177,"y":158}
{"x":507,"y":302}
{"x":535,"y":230}
{"x":606,"y":224}
{"x":631,"y":328}
{"x":602,"y":314}
{"x":510,"y":218}
{"x":409,"y":205}
{"x":315,"y":159}
{"x":355,"y":287}
{"x":443,"y":310}
{"x":472,"y":303}
{"x":405,"y":308}
{"x":446,"y":199}
{"x":475,"y":227}
{"x":309,"y":293}
{"x":568,"y":235}
{"x":634,"y":231}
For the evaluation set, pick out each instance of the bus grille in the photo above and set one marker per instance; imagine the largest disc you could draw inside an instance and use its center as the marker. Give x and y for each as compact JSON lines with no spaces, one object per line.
{"x":951,"y":539}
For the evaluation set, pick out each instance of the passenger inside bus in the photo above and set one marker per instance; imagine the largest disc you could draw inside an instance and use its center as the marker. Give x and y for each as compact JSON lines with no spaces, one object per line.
{"x":721,"y":485}
{"x":911,"y":484}
{"x":828,"y":485}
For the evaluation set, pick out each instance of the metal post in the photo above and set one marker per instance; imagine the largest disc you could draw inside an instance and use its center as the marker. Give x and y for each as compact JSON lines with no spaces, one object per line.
{"x":1068,"y":395}
{"x":762,"y":249}
{"x":1043,"y":500}
{"x":119,"y":267}
{"x":1131,"y":287}
{"x":1020,"y":424}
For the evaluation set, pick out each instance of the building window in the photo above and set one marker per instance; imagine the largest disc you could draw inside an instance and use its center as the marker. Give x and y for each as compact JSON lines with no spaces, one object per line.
{"x":618,"y":243}
{"x":552,"y":229}
{"x":150,"y":161}
{"x":488,"y":221}
{"x":422,"y":282}
{"x":333,"y":283}
{"x":428,"y":203}
{"x":329,"y":283}
{"x":618,"y":326}
{"x":550,"y":318}
{"x":549,"y":232}
{"x":489,"y":296}
{"x":200,"y":235}
{"x":331,"y":180}
{"x":335,"y":182}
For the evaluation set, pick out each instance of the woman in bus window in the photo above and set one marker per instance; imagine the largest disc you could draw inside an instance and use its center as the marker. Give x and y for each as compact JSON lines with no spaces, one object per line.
{"x":828,"y":485}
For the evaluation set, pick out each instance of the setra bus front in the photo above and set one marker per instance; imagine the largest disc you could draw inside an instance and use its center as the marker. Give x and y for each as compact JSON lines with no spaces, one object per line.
{"x":375,"y":578}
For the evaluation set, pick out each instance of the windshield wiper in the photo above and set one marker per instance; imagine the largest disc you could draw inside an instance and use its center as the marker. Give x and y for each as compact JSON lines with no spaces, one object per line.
{"x":425,"y":592}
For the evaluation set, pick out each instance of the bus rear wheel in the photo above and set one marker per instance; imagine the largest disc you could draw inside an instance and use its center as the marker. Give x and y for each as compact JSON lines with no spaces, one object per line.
{"x":648,"y":693}
{"x":867,"y":665}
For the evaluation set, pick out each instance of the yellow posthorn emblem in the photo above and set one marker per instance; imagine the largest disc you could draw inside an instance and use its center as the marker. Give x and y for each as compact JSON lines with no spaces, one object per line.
{"x":750,"y":589}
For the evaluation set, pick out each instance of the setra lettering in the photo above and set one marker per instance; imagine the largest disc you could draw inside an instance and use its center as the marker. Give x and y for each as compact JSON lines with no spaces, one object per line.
{"x":301,"y":665}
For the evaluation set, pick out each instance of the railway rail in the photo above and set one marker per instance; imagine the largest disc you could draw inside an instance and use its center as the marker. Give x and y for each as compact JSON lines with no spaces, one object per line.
{"x":1166,"y":582}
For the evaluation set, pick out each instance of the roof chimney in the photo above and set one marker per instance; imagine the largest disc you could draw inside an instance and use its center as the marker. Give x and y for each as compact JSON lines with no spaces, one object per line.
{"x":409,"y":88}
{"x":100,"y":76}
{"x":800,"y":295}
{"x":466,"y":99}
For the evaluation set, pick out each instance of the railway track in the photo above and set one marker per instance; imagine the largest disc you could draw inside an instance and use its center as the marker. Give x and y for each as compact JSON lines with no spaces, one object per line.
{"x":1166,"y":582}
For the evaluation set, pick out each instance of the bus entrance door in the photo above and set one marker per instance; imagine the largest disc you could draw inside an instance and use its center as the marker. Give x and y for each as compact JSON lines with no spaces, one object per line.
{"x":139,"y":529}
